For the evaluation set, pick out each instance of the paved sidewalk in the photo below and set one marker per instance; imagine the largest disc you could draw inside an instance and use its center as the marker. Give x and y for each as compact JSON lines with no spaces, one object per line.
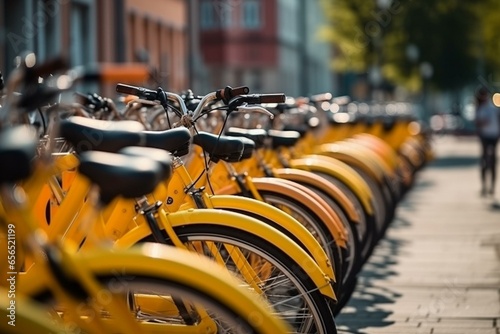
{"x":438,"y":269}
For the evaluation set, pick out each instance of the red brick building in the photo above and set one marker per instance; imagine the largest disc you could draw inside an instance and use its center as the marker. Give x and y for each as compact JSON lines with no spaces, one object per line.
{"x":90,"y":31}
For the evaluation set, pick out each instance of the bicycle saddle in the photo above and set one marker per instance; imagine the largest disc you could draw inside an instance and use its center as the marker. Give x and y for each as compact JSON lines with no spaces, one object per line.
{"x":17,"y":151}
{"x":225,"y":148}
{"x":177,"y":140}
{"x":301,"y":129}
{"x":258,"y":136}
{"x":163,"y":157}
{"x":86,"y":134}
{"x":118,"y":174}
{"x":283,"y":138}
{"x":248,"y":147}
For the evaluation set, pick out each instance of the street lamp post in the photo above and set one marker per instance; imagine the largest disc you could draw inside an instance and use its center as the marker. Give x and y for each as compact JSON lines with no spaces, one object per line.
{"x":426,"y":72}
{"x":375,"y":75}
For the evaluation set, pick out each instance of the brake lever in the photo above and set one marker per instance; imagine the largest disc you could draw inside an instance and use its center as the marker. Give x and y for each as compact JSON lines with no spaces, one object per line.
{"x":255,"y":108}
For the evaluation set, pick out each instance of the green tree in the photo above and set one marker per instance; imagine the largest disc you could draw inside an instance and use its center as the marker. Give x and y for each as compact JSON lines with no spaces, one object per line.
{"x":489,"y":40}
{"x":454,"y":36}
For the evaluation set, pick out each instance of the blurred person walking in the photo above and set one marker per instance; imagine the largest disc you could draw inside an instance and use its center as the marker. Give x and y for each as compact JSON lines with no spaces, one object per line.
{"x":488,"y":129}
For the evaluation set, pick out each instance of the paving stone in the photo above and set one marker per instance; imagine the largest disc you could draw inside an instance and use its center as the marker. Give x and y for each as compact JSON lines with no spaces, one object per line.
{"x":459,"y":330}
{"x":465,"y":323}
{"x":437,"y":271}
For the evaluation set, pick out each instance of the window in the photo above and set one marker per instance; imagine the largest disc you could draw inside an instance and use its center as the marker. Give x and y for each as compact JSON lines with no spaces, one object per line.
{"x":207,"y":15}
{"x":48,"y":35}
{"x":251,"y":14}
{"x":30,"y":25}
{"x":226,"y":16}
{"x":81,"y":40}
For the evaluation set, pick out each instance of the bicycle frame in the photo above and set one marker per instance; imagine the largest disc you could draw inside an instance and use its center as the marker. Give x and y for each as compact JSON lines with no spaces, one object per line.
{"x":80,"y":270}
{"x":222,"y":181}
{"x":154,"y":260}
{"x":111,"y":223}
{"x":218,"y":217}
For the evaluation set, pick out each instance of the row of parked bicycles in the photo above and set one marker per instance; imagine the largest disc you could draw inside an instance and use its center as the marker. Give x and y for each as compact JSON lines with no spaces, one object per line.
{"x":230,"y":212}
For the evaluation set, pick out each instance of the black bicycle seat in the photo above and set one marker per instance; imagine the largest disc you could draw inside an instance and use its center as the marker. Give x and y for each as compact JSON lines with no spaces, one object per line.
{"x":225,"y":148}
{"x":119,"y":174}
{"x":301,"y":129}
{"x":258,"y":136}
{"x":161,"y":156}
{"x":86,"y":134}
{"x":248,"y":147}
{"x":283,"y":138}
{"x":177,"y":141}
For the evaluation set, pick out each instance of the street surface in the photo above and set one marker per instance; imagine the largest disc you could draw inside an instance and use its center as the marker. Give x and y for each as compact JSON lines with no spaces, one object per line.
{"x":437,"y":271}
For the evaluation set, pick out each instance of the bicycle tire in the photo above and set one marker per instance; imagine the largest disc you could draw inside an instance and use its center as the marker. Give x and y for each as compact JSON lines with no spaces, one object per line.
{"x":380,"y":203}
{"x":351,"y":263}
{"x":314,"y":225}
{"x":302,"y":285}
{"x":135,"y":285}
{"x":366,"y":226}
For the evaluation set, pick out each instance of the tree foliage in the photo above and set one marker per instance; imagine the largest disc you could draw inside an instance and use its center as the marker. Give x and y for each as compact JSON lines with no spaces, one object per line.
{"x":458,"y":38}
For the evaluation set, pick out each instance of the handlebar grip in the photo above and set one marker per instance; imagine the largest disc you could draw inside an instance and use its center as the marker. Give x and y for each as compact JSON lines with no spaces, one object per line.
{"x":143,"y":93}
{"x":229,"y":92}
{"x":239,"y":91}
{"x":127,"y":89}
{"x":272,"y":98}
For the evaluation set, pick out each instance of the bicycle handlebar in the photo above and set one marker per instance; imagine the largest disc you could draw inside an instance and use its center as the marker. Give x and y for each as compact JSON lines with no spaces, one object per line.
{"x":222,"y":94}
{"x":255,"y":99}
{"x":272,"y":98}
{"x":143,"y":93}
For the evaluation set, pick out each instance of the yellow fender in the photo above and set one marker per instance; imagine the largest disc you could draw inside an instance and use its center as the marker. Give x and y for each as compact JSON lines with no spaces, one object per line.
{"x":303,"y":176}
{"x":279,"y":217}
{"x":343,"y":151}
{"x":380,"y":147}
{"x":241,"y":222}
{"x":409,"y":151}
{"x":339,"y":170}
{"x":311,"y":200}
{"x":177,"y":265}
{"x":28,"y":318}
{"x":362,"y":150}
{"x":418,"y":144}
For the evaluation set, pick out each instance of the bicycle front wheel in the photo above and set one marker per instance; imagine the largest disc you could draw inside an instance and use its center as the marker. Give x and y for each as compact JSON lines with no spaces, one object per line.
{"x":268,"y":270}
{"x":167,"y":290}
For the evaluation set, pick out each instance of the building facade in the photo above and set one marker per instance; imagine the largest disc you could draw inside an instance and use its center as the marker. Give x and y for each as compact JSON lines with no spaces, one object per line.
{"x":91,"y":31}
{"x":269,"y":45}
